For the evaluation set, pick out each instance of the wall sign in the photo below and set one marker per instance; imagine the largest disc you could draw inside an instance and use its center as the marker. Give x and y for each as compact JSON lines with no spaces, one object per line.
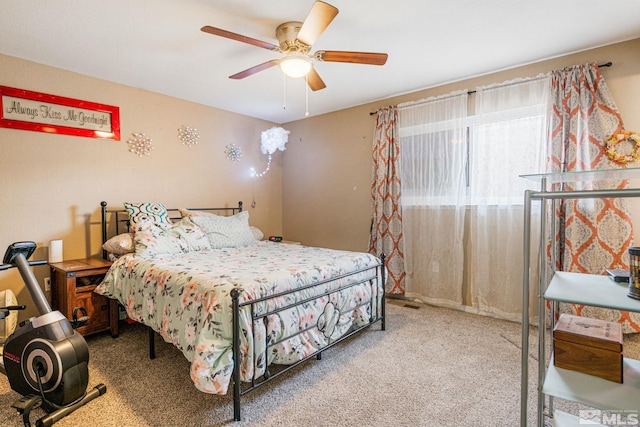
{"x":35,"y":111}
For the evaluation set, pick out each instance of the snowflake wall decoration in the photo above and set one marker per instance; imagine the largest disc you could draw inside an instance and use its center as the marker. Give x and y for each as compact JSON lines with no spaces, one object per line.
{"x":140,"y":144}
{"x":233,"y":152}
{"x":188,"y":135}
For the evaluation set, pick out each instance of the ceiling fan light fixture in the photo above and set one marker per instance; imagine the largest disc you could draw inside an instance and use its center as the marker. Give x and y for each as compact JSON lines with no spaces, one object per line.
{"x":295,"y":66}
{"x":295,"y":40}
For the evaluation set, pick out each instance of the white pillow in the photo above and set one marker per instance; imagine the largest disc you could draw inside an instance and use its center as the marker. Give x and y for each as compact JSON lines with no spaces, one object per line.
{"x":257,"y":233}
{"x":226,"y":231}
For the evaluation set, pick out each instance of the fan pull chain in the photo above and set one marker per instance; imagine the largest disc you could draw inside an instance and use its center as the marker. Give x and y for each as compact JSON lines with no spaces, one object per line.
{"x":306,"y":95}
{"x":284,"y":91}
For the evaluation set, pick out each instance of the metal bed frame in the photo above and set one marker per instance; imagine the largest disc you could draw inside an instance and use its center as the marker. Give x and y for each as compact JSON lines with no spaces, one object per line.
{"x":375,"y":279}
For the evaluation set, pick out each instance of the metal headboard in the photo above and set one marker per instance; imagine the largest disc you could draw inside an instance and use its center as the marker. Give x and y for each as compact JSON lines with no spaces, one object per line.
{"x":121,"y":218}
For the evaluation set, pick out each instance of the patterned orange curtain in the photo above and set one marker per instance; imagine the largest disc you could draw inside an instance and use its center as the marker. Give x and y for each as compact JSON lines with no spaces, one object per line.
{"x":386,"y":212}
{"x":592,"y":235}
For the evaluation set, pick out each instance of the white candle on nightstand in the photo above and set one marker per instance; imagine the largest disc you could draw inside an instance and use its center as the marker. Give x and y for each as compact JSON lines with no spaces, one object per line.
{"x":55,"y":251}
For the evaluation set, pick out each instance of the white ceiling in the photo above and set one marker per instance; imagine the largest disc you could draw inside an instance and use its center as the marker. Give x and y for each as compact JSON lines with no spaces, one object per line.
{"x":157,"y":45}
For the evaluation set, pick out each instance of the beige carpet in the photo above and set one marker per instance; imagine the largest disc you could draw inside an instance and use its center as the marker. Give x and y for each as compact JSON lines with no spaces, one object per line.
{"x":431,"y":367}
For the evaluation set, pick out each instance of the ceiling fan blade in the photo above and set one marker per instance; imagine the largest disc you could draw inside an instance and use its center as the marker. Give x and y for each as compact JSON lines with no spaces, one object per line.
{"x":314,"y":81}
{"x":369,"y":58}
{"x":317,"y":21}
{"x":255,"y":69}
{"x":238,"y":37}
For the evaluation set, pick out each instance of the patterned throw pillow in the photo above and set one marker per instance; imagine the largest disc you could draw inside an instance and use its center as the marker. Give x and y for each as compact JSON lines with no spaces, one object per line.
{"x":193,"y":237}
{"x":152,"y":239}
{"x":154,"y":213}
{"x":226,"y":231}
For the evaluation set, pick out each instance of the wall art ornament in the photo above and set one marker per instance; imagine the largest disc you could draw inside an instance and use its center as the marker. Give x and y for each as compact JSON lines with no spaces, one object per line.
{"x":623,"y":147}
{"x":233,"y":152}
{"x":42,"y":112}
{"x":140,"y":144}
{"x":188,"y":135}
{"x":271,"y":140}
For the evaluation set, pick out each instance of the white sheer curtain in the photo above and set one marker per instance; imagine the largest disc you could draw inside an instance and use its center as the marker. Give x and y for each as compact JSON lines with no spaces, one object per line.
{"x":432,"y":170}
{"x":508,"y":139}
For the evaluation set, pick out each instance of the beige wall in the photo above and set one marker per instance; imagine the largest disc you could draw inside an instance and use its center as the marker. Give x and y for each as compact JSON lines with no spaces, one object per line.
{"x":317,"y":191}
{"x":51,"y":185}
{"x":327,"y":165}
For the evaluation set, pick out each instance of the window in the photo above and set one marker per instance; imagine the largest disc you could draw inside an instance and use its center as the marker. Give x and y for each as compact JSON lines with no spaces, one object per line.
{"x":433,"y":150}
{"x":504,"y":146}
{"x":476,"y":160}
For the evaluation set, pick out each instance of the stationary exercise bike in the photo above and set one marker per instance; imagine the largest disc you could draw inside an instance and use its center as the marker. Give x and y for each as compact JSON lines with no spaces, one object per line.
{"x":45,"y":359}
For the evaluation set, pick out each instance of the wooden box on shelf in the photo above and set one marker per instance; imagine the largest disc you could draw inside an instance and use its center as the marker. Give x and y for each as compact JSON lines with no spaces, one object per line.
{"x":72,"y":285}
{"x":590,"y":346}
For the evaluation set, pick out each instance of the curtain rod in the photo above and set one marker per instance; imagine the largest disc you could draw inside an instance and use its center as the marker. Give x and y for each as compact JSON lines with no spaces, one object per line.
{"x":606,"y":64}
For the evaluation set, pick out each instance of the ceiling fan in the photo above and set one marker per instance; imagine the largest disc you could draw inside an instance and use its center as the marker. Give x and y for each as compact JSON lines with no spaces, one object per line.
{"x":295,"y":41}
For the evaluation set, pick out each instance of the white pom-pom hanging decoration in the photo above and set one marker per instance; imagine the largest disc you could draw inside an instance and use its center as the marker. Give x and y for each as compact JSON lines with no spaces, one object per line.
{"x":271,"y":140}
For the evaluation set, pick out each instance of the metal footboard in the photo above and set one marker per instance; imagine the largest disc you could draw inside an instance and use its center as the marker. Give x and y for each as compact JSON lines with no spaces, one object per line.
{"x":376,"y":281}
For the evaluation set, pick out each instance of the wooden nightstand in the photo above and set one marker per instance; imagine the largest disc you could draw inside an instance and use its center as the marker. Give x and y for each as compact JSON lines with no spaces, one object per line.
{"x":72,"y":285}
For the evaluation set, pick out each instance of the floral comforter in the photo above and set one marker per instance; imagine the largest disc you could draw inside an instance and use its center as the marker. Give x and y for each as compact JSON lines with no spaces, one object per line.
{"x":186,"y":298}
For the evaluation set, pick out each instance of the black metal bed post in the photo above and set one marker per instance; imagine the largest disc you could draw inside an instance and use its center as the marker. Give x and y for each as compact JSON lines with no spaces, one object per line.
{"x":235,"y":302}
{"x":152,"y":343}
{"x":103,"y":206}
{"x":382,"y":300}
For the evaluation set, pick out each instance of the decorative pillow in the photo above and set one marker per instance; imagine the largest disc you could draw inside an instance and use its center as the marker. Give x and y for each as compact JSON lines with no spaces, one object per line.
{"x":184,"y":236}
{"x":120,"y":244}
{"x":257,"y":233}
{"x":192,"y":236}
{"x":154,"y":213}
{"x":226,"y":231}
{"x":152,"y":239}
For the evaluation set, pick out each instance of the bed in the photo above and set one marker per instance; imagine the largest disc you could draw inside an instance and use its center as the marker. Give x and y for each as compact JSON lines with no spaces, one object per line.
{"x":242,"y":310}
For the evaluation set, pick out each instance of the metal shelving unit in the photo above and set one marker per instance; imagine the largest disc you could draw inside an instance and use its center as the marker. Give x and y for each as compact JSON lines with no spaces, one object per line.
{"x":584,"y":289}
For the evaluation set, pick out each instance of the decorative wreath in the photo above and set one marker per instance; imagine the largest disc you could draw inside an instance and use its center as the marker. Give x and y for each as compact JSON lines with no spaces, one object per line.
{"x":624,"y":136}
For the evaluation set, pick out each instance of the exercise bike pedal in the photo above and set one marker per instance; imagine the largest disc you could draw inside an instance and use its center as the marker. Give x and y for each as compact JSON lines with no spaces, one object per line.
{"x":27,"y":403}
